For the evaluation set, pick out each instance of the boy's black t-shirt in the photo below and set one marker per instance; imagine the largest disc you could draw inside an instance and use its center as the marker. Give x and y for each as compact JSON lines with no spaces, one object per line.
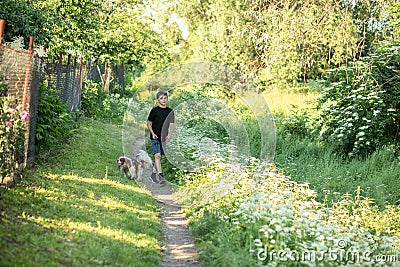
{"x":161,"y":117}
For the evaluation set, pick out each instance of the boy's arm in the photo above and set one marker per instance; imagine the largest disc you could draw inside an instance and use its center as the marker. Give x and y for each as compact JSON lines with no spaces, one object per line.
{"x":150,"y":127}
{"x":171,"y":131}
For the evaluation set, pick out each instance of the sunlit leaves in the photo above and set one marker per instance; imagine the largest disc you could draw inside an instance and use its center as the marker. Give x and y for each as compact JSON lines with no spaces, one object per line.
{"x":24,"y":19}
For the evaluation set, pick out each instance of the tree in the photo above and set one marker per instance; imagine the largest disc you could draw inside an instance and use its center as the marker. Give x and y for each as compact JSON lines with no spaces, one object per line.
{"x":24,"y":19}
{"x":126,"y":38}
{"x":74,"y":25}
{"x":278,"y":41}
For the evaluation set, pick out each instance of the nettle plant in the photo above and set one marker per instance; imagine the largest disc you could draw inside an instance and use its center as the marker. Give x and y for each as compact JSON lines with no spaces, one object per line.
{"x":102,"y":105}
{"x":12,"y":135}
{"x":360,"y":106}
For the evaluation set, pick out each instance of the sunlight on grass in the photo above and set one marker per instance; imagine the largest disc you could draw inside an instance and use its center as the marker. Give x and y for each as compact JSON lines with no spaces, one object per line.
{"x":77,"y":209}
{"x":96,"y":181}
{"x":80,"y":229}
{"x":282,"y":102}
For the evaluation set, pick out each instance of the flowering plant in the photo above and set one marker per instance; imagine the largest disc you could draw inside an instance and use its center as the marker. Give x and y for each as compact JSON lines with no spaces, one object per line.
{"x":12,"y":137}
{"x":244,"y":217}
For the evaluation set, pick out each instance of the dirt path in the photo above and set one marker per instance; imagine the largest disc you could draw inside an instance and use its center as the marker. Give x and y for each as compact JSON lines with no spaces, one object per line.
{"x":179,"y":244}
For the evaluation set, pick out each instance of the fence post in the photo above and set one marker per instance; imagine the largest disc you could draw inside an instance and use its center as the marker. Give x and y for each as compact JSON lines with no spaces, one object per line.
{"x":2,"y":24}
{"x":27,"y":98}
{"x":27,"y":72}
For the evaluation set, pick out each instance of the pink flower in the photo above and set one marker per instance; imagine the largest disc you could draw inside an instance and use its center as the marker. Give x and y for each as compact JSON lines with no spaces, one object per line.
{"x":24,"y":115}
{"x":9,"y":123}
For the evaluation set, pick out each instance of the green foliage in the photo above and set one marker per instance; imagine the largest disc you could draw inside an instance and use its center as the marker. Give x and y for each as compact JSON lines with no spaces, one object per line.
{"x":394,"y":21}
{"x":243,"y":214}
{"x":108,"y":31}
{"x":24,"y":19}
{"x":12,"y":137}
{"x":54,"y":122}
{"x":73,"y":26}
{"x":237,"y":212}
{"x":98,"y":104}
{"x":298,"y":123}
{"x":92,"y":99}
{"x":305,"y":158}
{"x":308,"y":161}
{"x":279,"y":42}
{"x":360,"y":108}
{"x":126,"y":39}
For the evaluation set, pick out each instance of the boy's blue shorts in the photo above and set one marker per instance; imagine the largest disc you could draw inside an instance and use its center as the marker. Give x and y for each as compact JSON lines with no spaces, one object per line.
{"x":158,"y":147}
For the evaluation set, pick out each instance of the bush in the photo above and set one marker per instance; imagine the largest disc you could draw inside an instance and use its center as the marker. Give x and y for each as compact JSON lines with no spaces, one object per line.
{"x":98,"y":104}
{"x":54,"y":122}
{"x":297,"y":123}
{"x":12,"y":134}
{"x":92,"y":99}
{"x":360,"y":108}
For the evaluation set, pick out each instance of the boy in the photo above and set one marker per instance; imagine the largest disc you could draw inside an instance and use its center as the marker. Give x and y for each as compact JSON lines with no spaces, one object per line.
{"x":160,"y":123}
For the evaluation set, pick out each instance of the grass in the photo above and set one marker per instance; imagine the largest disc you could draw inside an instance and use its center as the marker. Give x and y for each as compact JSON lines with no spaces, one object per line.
{"x":332,"y":176}
{"x":282,"y":102}
{"x":74,"y":208}
{"x":326,"y":171}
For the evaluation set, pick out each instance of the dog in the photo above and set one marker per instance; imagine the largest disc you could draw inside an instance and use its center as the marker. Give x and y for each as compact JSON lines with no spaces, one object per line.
{"x":144,"y":159}
{"x":129,"y":167}
{"x":132,"y":168}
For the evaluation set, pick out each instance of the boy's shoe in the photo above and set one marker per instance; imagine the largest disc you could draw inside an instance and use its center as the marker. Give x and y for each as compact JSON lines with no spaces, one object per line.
{"x":161,"y":178}
{"x":153,"y":178}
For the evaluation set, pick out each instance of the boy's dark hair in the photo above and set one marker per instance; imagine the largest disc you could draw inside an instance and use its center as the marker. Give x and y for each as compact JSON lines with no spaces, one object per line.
{"x":161,"y":93}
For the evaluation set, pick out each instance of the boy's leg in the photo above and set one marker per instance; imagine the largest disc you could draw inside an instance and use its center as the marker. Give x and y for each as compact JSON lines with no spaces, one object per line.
{"x":157,"y":162}
{"x":156,"y":148}
{"x":160,"y":175}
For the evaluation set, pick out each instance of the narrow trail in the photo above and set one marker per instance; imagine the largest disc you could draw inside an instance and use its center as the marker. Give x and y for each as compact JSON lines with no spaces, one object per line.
{"x":179,"y":245}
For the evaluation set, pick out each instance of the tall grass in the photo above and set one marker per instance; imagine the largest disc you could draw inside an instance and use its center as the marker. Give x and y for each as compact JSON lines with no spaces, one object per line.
{"x":303,"y":158}
{"x":331,"y":175}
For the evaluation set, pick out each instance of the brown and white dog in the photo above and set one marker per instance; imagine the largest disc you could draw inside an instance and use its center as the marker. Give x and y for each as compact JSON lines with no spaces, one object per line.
{"x":133,"y":167}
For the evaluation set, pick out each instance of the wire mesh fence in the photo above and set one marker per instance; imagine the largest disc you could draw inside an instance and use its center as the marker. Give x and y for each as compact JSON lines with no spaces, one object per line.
{"x":66,"y":80}
{"x":25,"y":70}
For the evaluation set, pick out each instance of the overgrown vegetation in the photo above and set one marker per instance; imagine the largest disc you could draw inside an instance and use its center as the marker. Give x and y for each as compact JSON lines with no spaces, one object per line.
{"x":240,"y":216}
{"x":102,"y":105}
{"x":360,"y":104}
{"x":334,"y":182}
